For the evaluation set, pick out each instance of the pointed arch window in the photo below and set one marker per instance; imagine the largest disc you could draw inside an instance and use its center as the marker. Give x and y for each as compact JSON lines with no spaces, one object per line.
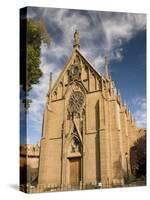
{"x":76,"y":102}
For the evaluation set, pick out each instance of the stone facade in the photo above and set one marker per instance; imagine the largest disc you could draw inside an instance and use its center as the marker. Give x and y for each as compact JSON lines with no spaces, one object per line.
{"x":141,"y":132}
{"x":87,"y":130}
{"x":29,"y":163}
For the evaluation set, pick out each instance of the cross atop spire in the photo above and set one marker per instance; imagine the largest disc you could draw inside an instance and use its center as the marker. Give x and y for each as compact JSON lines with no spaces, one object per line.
{"x":76,"y":43}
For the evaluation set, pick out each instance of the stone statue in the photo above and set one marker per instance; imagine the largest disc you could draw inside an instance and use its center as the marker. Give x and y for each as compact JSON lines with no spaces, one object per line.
{"x":76,"y":39}
{"x":74,"y":146}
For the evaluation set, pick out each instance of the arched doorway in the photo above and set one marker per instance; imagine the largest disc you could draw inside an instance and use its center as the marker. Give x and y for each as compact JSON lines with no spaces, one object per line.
{"x":75,"y":171}
{"x":74,"y":163}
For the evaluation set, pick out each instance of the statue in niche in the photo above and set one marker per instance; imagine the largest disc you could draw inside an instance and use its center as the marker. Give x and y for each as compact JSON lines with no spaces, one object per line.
{"x":75,"y":145}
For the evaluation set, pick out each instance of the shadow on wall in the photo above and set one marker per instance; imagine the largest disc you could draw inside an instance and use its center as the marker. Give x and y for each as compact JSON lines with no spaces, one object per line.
{"x":118,"y":170}
{"x":97,"y":143}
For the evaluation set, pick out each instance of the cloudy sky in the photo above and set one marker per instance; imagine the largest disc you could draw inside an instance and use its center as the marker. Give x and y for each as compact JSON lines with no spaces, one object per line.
{"x":120,"y":36}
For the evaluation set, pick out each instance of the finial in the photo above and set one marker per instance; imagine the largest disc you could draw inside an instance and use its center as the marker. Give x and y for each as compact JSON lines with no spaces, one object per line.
{"x":76,"y":44}
{"x":106,"y":69}
{"x":49,"y":91}
{"x":50,"y":81}
{"x":118,"y":92}
{"x":125,"y":103}
{"x":132,"y":119}
{"x":115,"y":91}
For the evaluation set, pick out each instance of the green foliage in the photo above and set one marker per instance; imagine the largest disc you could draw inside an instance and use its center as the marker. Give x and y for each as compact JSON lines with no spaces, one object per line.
{"x":129,"y":179}
{"x":140,"y":146}
{"x":36,"y":34}
{"x":91,"y":186}
{"x":26,"y":103}
{"x":138,"y":159}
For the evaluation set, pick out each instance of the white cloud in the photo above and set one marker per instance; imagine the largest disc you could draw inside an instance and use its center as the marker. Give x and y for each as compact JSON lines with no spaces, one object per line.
{"x":122,"y":27}
{"x":101,"y":33}
{"x":139,"y":105}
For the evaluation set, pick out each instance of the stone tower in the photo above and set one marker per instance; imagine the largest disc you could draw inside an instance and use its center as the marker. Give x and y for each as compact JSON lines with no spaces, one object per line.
{"x":87,"y":130}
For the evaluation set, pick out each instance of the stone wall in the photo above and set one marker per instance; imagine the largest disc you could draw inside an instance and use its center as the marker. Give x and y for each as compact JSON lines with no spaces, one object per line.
{"x":29,"y":163}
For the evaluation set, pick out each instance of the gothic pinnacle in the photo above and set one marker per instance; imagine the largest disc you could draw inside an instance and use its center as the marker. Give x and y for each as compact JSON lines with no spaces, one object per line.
{"x":106,"y":69}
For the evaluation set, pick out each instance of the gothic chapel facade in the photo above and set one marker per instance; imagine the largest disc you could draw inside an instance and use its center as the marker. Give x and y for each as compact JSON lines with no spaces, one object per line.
{"x":87,"y":130}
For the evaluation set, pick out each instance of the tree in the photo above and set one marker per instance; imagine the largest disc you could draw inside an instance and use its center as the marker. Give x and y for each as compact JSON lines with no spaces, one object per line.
{"x":36,"y":35}
{"x":138,"y":157}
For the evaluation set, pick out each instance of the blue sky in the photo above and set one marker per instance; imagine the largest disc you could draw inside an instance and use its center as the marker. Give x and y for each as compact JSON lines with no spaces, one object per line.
{"x":120,"y":36}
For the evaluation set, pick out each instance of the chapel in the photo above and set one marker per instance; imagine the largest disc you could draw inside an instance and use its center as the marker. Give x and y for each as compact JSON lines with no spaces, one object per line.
{"x":87,"y":130}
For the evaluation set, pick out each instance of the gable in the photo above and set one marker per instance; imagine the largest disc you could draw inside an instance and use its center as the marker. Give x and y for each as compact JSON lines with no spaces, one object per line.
{"x":78,"y":69}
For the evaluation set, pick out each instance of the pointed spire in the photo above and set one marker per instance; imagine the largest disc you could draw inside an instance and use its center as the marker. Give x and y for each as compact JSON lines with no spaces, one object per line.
{"x":102,"y":85}
{"x":110,"y":78}
{"x":132,"y":119}
{"x":76,"y":44}
{"x":49,"y":92}
{"x":106,"y":69}
{"x":118,"y":93}
{"x":119,"y":96}
{"x":115,"y":91}
{"x":50,"y":81}
{"x":125,"y":104}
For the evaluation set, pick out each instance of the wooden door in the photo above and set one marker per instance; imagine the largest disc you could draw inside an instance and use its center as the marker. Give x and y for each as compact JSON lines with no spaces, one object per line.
{"x":75,"y":171}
